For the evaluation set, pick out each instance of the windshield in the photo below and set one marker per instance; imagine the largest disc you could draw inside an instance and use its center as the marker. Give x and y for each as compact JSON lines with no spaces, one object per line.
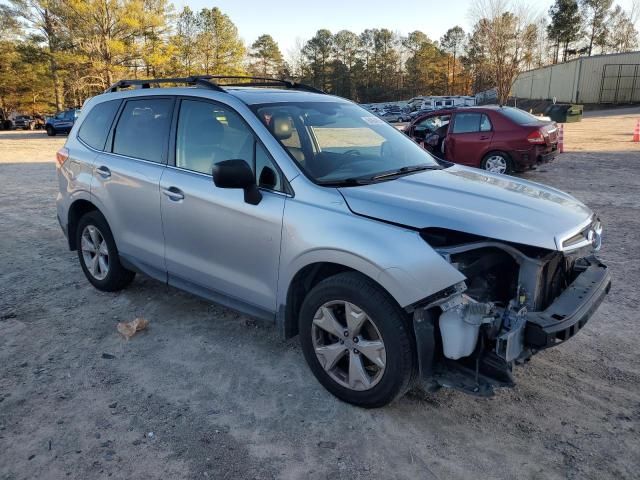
{"x":342,"y":142}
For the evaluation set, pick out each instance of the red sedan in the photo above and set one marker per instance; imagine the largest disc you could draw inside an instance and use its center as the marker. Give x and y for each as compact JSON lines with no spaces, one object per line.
{"x":497,"y":139}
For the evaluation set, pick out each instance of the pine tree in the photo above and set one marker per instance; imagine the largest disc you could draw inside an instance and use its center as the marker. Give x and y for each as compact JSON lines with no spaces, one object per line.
{"x":453,"y":42}
{"x":221,"y":52}
{"x":267,"y":57}
{"x":565,"y":25}
{"x":597,"y":13}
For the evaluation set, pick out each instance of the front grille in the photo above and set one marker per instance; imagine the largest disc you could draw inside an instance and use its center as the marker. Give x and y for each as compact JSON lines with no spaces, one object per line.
{"x":588,"y":236}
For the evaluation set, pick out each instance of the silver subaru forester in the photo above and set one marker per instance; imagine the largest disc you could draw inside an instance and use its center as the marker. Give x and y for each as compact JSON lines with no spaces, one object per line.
{"x":396,"y":269}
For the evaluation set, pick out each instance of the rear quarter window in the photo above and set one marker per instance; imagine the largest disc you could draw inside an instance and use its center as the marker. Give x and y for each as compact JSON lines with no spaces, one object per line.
{"x":95,"y":127}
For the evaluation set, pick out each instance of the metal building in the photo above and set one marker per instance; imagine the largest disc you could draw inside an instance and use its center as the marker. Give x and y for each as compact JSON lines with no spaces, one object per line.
{"x":611,"y":78}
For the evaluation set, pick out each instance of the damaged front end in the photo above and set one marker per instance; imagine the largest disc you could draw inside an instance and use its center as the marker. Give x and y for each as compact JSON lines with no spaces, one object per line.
{"x":516,"y":301}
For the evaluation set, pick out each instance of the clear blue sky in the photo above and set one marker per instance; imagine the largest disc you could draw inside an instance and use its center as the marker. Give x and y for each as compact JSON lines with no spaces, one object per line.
{"x":288,"y":20}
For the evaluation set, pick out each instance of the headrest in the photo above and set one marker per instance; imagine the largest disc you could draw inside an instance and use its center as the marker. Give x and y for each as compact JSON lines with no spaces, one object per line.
{"x":281,"y":126}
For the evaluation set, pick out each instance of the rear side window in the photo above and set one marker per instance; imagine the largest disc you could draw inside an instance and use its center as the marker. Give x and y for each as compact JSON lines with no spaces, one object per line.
{"x":471,"y":123}
{"x":143,"y":129}
{"x":95,"y":128}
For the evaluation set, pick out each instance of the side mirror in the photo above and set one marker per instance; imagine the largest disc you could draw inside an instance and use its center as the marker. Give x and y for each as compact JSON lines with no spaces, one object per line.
{"x":237,"y":174}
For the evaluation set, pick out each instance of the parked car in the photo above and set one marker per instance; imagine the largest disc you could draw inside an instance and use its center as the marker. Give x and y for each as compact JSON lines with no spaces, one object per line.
{"x":405,"y":114}
{"x":419,"y":113}
{"x":5,"y":123}
{"x":304,"y":209}
{"x":497,"y":139}
{"x":25,"y":122}
{"x":61,"y":122}
{"x":391,"y":113}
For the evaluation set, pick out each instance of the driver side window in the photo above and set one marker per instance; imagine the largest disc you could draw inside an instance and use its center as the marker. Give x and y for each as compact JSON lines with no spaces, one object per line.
{"x":208,"y":133}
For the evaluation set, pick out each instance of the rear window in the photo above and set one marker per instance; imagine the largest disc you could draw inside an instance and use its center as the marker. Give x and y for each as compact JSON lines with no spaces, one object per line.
{"x":95,"y":128}
{"x":519,"y":116}
{"x":143,"y":129}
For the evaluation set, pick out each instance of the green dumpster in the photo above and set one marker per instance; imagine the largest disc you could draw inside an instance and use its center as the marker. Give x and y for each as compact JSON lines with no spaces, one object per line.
{"x":564,"y":112}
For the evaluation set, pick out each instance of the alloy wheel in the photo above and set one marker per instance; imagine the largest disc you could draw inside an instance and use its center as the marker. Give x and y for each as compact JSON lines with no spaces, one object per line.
{"x":95,"y":253}
{"x":348,"y":345}
{"x":496,"y":164}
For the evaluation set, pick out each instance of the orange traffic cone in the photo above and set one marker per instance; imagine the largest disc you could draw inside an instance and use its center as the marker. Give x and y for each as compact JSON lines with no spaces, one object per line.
{"x":561,"y":139}
{"x":636,"y":131}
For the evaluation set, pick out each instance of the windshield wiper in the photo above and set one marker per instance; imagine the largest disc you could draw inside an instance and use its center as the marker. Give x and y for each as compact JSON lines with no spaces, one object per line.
{"x":345,"y":182}
{"x":405,"y":170}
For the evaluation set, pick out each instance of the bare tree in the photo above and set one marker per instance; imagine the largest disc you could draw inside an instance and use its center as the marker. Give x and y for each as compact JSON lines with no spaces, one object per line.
{"x":503,"y":25}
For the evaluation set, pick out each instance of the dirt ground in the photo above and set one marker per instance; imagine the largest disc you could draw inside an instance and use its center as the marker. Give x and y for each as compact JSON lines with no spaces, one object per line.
{"x":208,"y":393}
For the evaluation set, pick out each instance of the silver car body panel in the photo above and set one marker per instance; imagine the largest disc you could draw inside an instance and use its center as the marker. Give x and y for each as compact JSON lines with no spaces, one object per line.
{"x":319,"y":227}
{"x":130,"y":201}
{"x":214,"y":244}
{"x":477,"y":202}
{"x":216,"y":240}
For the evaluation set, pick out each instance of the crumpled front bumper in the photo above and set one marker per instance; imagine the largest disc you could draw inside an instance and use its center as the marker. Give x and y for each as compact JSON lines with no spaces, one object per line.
{"x":571,"y":310}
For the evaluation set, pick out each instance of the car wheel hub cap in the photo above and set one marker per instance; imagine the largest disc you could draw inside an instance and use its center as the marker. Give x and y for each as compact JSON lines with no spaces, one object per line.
{"x":95,"y":253}
{"x":348,"y":345}
{"x":496,"y":164}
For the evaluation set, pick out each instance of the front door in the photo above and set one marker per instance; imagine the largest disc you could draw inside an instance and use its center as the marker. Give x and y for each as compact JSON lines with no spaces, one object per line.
{"x":468,"y":138}
{"x":216,"y":244}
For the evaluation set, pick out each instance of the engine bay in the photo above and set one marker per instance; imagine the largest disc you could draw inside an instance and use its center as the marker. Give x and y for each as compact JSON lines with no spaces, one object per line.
{"x":480,"y":327}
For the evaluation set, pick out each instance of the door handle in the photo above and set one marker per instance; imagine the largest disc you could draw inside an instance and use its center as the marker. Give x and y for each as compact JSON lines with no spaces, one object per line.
{"x":173,"y":193}
{"x":103,"y":171}
{"x":484,"y":137}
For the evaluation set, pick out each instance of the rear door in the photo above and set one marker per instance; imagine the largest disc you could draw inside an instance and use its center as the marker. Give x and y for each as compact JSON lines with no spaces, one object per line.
{"x":126,"y":180}
{"x":469,"y":138}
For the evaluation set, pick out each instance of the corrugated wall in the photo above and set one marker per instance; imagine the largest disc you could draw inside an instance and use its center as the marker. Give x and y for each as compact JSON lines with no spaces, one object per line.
{"x":581,"y":80}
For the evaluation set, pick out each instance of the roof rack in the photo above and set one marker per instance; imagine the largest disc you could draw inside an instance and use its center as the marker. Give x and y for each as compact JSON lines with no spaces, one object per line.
{"x":208,"y":81}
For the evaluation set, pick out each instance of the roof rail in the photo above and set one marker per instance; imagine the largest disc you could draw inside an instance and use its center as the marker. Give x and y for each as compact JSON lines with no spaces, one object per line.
{"x":265,"y":82}
{"x":208,"y":81}
{"x":197,"y":80}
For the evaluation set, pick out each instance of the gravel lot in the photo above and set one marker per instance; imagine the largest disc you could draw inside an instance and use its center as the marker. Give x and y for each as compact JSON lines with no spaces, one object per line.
{"x":208,"y":393}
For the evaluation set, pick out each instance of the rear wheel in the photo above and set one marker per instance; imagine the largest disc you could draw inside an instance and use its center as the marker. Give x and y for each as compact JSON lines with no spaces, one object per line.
{"x":356,"y":340}
{"x":98,"y":254}
{"x":497,"y":162}
{"x":50,"y":131}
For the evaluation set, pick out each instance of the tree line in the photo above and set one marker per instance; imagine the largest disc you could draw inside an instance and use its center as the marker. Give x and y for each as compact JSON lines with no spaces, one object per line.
{"x":56,"y":53}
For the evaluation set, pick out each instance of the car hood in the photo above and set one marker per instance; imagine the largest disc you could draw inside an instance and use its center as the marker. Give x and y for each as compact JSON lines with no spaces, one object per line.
{"x":473,"y":201}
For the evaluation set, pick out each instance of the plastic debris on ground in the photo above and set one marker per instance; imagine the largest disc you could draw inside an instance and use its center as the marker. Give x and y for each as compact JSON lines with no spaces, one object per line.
{"x":129,"y":329}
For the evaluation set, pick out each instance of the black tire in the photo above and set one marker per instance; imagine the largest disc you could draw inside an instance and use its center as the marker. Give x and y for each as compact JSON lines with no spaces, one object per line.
{"x":505,"y":156}
{"x":391,"y":322}
{"x":117,"y":276}
{"x":50,"y":131}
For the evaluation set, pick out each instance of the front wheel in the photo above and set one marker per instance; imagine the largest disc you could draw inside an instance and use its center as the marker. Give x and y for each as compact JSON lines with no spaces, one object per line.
{"x":497,"y":162}
{"x":50,"y":131}
{"x":356,"y":340}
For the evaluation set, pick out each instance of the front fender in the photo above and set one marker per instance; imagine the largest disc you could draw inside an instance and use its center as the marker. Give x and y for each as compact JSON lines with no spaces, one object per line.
{"x":395,"y":257}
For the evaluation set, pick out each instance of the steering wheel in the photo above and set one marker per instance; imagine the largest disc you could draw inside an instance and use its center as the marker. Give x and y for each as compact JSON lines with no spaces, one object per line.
{"x":352,"y":152}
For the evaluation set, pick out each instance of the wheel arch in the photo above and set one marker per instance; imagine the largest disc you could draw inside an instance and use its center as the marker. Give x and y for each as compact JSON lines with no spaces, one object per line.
{"x":309,"y":275}
{"x":77,"y":209}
